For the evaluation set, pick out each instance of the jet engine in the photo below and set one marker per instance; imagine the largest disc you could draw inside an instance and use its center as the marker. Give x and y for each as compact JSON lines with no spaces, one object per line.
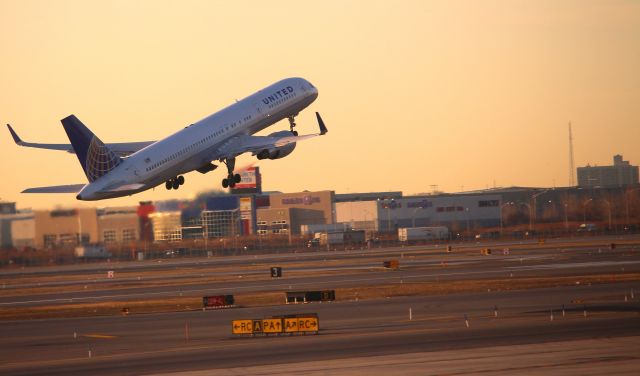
{"x":277,"y":152}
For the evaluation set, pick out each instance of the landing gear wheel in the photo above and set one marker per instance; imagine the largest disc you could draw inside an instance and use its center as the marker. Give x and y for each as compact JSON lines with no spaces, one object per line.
{"x":176,"y":184}
{"x":231,"y":179}
{"x":180,"y":180}
{"x":168,"y":185}
{"x":295,"y":133}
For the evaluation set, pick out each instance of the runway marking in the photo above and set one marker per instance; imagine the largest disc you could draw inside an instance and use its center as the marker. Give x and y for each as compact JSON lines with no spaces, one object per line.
{"x":331,"y":282}
{"x":220,"y":344}
{"x":228,"y":343}
{"x":98,"y":336}
{"x":223,"y":343}
{"x":574,"y":265}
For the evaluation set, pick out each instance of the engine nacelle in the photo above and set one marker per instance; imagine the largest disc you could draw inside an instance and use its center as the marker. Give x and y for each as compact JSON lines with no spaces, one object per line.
{"x":277,"y":153}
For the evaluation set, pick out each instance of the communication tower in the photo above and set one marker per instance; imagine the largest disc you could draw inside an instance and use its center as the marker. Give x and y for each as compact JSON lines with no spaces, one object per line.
{"x":572,"y":167}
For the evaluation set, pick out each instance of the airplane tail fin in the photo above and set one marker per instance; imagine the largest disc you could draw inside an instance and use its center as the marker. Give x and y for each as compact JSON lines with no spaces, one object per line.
{"x":95,"y":157}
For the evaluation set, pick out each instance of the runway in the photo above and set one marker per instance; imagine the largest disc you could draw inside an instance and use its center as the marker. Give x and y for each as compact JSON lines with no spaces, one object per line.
{"x":158,"y":343}
{"x":582,"y":328}
{"x":310,"y":270}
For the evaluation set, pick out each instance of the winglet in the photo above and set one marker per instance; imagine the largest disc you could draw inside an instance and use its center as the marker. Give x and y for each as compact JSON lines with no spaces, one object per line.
{"x":15,"y":136}
{"x":323,"y":128}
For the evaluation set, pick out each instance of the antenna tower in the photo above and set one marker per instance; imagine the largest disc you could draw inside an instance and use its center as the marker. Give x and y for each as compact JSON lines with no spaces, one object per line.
{"x":572,"y":167}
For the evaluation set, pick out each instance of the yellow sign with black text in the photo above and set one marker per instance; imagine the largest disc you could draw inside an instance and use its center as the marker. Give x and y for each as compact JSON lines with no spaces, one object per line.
{"x":308,"y":324}
{"x":272,"y":326}
{"x":303,"y":323}
{"x":290,"y":325}
{"x":242,"y":326}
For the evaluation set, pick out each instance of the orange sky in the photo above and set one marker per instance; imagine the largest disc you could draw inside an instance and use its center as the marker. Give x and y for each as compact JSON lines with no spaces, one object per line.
{"x":454,"y":93}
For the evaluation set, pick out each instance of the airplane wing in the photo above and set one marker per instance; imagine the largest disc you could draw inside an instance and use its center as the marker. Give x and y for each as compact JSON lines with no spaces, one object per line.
{"x":70,"y":188}
{"x":122,"y":149}
{"x":75,"y":188}
{"x":255,"y":144}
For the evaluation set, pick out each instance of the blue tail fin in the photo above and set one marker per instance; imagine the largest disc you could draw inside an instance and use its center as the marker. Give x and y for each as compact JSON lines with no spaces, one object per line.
{"x":95,"y":157}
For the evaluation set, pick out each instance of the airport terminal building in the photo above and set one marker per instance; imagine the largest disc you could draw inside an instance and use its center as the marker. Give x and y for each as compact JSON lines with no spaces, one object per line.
{"x":457,"y":212}
{"x":286,"y":214}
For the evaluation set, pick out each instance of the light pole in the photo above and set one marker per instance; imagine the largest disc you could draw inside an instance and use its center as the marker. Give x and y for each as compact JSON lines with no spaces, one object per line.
{"x":466,"y":212}
{"x":388,"y":219}
{"x":551,"y":205}
{"x":413,"y":217}
{"x":535,"y":208}
{"x":626,"y":202}
{"x":584,"y":210}
{"x":385,"y":204}
{"x":501,"y":208}
{"x":609,"y":209}
{"x":530,"y":217}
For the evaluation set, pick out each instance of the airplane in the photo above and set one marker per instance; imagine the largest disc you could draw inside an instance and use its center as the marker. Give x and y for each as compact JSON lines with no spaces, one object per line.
{"x":122,"y":169}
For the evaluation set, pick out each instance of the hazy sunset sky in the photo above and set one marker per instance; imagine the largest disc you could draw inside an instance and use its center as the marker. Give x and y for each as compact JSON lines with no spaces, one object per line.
{"x":461,"y":94}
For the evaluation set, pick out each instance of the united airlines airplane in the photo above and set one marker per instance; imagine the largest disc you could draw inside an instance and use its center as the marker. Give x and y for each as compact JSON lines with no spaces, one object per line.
{"x":122,"y":169}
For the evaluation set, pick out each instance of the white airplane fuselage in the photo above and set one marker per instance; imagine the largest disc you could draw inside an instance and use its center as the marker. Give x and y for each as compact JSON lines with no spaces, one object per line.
{"x":199,"y":143}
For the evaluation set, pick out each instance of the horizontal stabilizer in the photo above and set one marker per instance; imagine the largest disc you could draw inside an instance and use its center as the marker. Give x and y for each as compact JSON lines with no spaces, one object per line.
{"x":121,"y":149}
{"x":64,"y":147}
{"x":70,"y":188}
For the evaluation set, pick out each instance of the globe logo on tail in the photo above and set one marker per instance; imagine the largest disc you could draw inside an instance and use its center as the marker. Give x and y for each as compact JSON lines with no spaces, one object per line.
{"x":100,"y":160}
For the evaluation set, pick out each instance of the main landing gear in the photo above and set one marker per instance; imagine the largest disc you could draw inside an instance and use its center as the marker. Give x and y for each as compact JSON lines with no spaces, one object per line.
{"x":174,"y":183}
{"x":292,"y":124}
{"x":231,"y":179}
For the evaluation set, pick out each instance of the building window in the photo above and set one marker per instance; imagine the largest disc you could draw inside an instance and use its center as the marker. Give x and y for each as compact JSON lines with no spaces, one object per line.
{"x":69,"y":239}
{"x":488,"y":203}
{"x":220,"y":223}
{"x":50,"y":240}
{"x":128,"y":234}
{"x":109,"y":236}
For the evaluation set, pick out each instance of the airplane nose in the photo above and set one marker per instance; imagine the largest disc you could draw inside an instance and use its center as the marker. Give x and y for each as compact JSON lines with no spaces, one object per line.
{"x":313,"y":92}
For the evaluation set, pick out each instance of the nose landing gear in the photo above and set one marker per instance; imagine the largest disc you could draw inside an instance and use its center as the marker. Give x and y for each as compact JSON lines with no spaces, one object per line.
{"x":292,"y":124}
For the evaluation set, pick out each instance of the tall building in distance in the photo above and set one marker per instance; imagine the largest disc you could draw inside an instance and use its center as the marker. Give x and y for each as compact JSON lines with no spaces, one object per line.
{"x":620,"y":174}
